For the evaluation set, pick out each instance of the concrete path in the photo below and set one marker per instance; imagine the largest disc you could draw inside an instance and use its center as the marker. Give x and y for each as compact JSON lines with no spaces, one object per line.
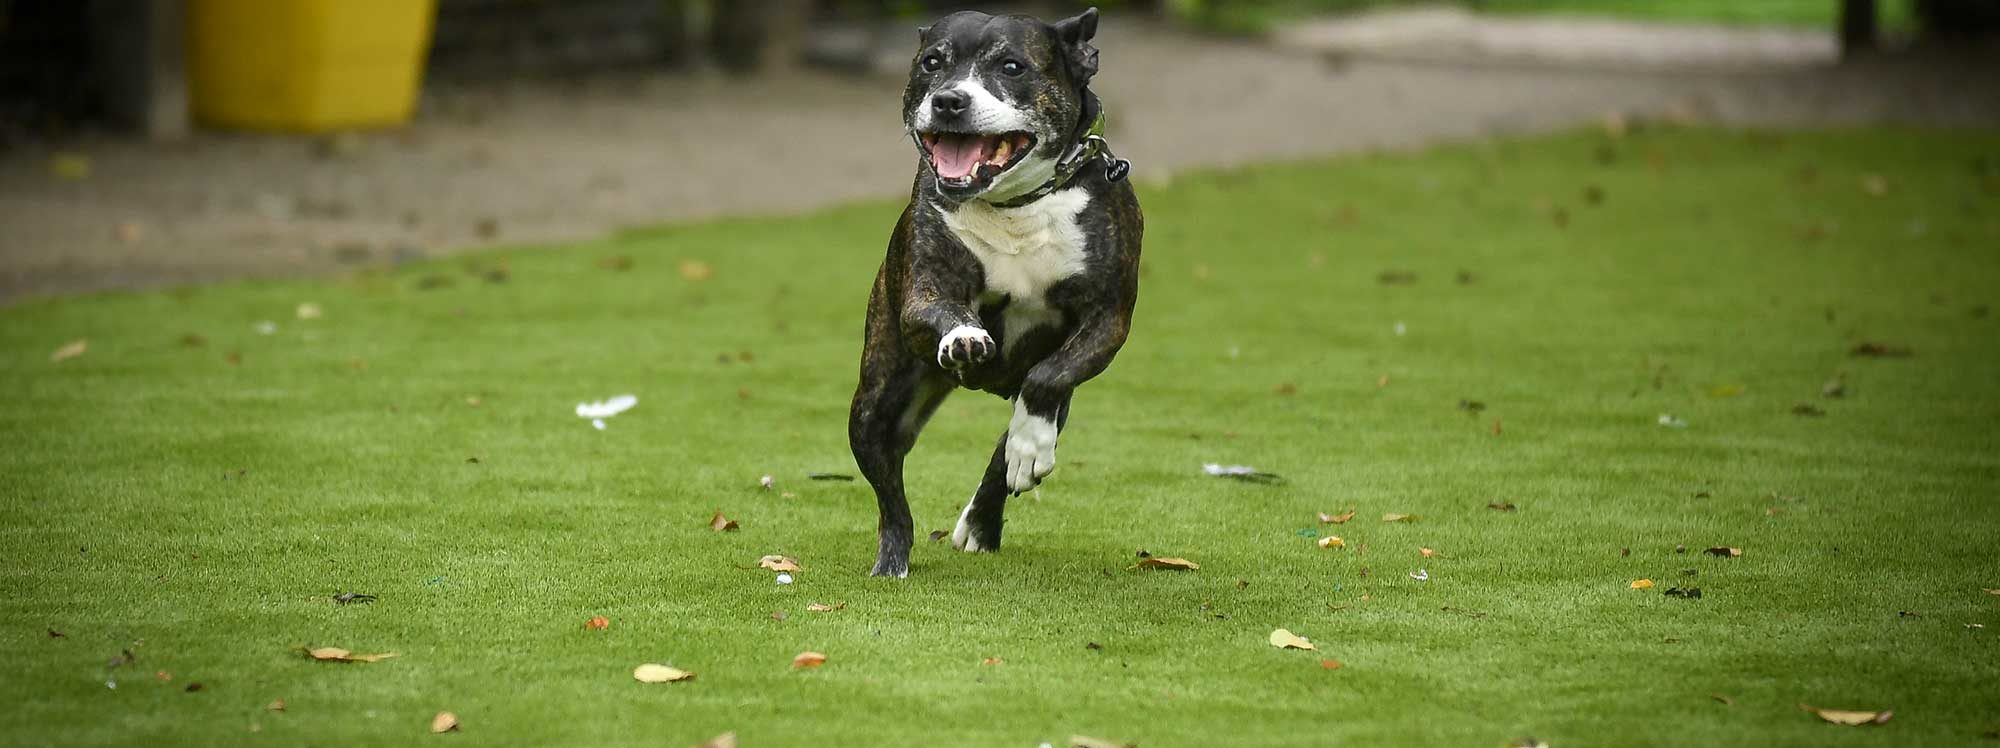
{"x":562,"y":160}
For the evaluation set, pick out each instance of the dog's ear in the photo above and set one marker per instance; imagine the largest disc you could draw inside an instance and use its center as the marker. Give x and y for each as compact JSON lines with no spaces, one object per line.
{"x":1074,"y":35}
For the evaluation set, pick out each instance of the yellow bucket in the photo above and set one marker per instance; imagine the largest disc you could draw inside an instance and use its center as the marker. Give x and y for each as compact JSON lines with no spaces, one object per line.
{"x":307,"y":65}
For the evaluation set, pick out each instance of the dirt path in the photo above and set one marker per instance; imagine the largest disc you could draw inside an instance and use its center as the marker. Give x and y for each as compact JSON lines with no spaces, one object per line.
{"x":556,"y":160}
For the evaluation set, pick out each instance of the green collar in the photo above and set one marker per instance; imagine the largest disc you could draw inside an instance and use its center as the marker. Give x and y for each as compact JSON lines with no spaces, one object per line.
{"x":1091,"y":147}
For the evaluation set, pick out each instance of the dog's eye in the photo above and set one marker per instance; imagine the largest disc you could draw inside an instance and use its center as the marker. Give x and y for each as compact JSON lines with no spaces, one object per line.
{"x":932,"y":62}
{"x":1013,"y":68}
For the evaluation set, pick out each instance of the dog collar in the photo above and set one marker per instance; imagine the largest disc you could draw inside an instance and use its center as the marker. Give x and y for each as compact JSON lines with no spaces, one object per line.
{"x":1090,"y":147}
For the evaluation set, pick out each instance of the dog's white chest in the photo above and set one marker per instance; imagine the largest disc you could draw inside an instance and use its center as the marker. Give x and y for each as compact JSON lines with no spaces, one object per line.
{"x":1024,"y":250}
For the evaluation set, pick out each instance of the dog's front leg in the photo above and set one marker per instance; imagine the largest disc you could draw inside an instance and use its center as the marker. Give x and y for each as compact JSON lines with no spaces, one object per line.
{"x":1043,"y":403}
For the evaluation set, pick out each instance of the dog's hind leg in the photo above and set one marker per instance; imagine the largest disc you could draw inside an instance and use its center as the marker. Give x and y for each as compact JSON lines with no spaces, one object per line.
{"x":890,"y":409}
{"x":979,"y":525}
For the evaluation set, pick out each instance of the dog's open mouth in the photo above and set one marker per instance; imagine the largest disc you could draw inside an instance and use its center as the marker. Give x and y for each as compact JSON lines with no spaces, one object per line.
{"x":964,"y":159}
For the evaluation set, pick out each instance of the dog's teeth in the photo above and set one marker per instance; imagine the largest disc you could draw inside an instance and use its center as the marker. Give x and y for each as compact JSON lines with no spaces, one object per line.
{"x":1000,"y":153}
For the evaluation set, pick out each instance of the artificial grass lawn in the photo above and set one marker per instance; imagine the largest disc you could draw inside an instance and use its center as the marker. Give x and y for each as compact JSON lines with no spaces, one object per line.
{"x":157,"y":492}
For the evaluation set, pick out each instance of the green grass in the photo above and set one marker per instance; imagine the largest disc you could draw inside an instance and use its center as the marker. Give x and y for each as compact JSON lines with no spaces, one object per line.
{"x":156,"y":492}
{"x":1256,"y":16}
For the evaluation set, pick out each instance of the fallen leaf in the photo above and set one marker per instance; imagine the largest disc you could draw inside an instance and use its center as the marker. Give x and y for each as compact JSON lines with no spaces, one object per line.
{"x":597,"y":623}
{"x":1849,"y":717}
{"x":990,"y":661}
{"x":720,"y":523}
{"x":276,"y":706}
{"x":1835,"y":387}
{"x":696,"y":270}
{"x":808,"y":659}
{"x":618,"y":263}
{"x":1881,"y":350}
{"x":779,"y":563}
{"x":1725,"y":551}
{"x":1093,"y":646}
{"x":69,"y":350}
{"x":1382,"y":381}
{"x":1723,"y":700}
{"x":651,"y":673}
{"x":1471,"y":406}
{"x":1159,"y":562}
{"x":1989,"y":591}
{"x":779,"y":615}
{"x":1504,"y":506}
{"x":725,"y":740}
{"x":1528,"y":742}
{"x":1085,"y":741}
{"x":1330,"y":665}
{"x":1642,"y":584}
{"x":1332,"y":541}
{"x":54,"y":634}
{"x":1336,"y":519}
{"x":163,"y":676}
{"x":939,"y":535}
{"x":193,"y":687}
{"x":309,"y":310}
{"x":1496,"y":427}
{"x":1285,"y":388}
{"x":1428,"y":553}
{"x":444,"y":722}
{"x":1393,"y":517}
{"x":824,"y":608}
{"x":336,"y":654}
{"x":1283,"y":639}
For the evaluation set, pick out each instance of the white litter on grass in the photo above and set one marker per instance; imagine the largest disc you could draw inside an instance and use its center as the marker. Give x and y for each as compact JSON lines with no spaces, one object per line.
{"x":598,"y":411}
{"x":1227,"y":470}
{"x":1421,"y":575}
{"x":784,"y":578}
{"x":266,"y":327}
{"x":766,"y":482}
{"x":1669,"y":421}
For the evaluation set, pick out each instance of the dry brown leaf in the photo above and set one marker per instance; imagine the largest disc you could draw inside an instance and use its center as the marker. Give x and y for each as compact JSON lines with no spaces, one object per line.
{"x":1642,"y":584}
{"x":1503,"y":506}
{"x":336,"y":654}
{"x":1332,"y":541}
{"x":1331,"y":664}
{"x":1991,"y":590}
{"x":444,"y":722}
{"x":1394,"y":517}
{"x":725,"y":740}
{"x":1724,"y":551}
{"x":69,"y":350}
{"x":990,"y":661}
{"x":1283,"y":639}
{"x":779,"y":563}
{"x":808,"y":659}
{"x":276,"y":706}
{"x":1428,"y":553}
{"x":1085,"y":741}
{"x":1723,"y":700}
{"x":720,"y":523}
{"x":1161,"y":562}
{"x":597,"y":623}
{"x":1336,"y":519}
{"x":696,"y":270}
{"x":1849,"y":717}
{"x":824,"y":608}
{"x":652,"y":673}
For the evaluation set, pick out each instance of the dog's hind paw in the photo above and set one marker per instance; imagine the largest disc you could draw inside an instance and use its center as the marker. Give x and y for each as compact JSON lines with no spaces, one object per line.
{"x":964,"y":346}
{"x":1031,"y":449}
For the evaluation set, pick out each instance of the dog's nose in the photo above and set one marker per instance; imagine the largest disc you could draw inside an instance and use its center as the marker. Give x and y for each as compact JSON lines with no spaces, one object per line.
{"x":950,"y":103}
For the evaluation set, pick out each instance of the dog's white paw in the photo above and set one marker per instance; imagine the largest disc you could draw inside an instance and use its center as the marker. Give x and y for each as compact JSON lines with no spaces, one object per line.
{"x":965,"y":345}
{"x":1031,"y":449}
{"x":961,"y":536}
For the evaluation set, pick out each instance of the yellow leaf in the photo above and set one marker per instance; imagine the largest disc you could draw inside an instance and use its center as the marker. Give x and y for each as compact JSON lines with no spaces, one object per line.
{"x":276,"y":706}
{"x":808,"y":659}
{"x":70,"y":350}
{"x":1394,"y":517}
{"x":1283,"y":639}
{"x":990,"y":661}
{"x":651,"y":673}
{"x":1085,"y":741}
{"x":1428,"y":553}
{"x":720,"y":523}
{"x":1332,"y":541}
{"x":1331,"y":664}
{"x":309,"y":310}
{"x":1336,"y":519}
{"x":725,"y":740}
{"x":779,"y":563}
{"x":696,"y":270}
{"x":1642,"y":584}
{"x":1849,"y":718}
{"x":1162,"y":562}
{"x":444,"y":722}
{"x":824,"y":608}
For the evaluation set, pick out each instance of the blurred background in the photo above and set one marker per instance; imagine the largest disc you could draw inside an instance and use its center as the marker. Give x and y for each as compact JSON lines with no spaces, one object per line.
{"x":154,"y":142}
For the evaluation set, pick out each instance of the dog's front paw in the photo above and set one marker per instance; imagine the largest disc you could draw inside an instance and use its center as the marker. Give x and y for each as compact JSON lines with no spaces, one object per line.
{"x":1031,"y":450}
{"x":964,"y":346}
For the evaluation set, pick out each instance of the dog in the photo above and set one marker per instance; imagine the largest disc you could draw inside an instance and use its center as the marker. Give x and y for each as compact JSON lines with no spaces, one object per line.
{"x":1013,"y":271}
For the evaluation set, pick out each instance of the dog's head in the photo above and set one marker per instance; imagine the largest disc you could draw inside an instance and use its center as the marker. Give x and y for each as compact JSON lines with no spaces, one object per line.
{"x":995,"y":100}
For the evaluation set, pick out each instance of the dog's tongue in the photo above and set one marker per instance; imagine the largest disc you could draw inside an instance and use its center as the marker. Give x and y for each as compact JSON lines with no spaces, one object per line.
{"x":955,"y":156}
